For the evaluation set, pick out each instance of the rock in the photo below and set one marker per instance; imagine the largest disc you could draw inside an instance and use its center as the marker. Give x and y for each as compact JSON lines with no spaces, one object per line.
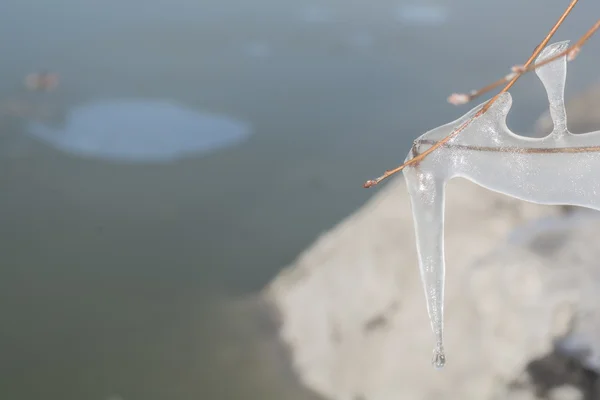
{"x":522,"y":296}
{"x":566,"y":247}
{"x":583,"y":113}
{"x":538,"y":294}
{"x":566,"y":393}
{"x":352,"y":308}
{"x":554,"y":377}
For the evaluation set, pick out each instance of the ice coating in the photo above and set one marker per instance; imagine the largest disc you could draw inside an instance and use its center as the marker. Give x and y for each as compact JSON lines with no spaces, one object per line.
{"x":561,"y":168}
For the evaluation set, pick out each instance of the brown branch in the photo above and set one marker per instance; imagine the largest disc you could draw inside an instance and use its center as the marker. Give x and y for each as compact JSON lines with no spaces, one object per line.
{"x":520,"y":150}
{"x":571,"y":52}
{"x":482,"y":110}
{"x":532,"y":58}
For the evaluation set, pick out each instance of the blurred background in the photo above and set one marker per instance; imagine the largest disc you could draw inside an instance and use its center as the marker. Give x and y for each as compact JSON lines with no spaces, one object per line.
{"x":115,"y":267}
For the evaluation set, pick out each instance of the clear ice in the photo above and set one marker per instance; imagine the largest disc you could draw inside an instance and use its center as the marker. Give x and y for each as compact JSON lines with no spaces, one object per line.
{"x":559,"y":169}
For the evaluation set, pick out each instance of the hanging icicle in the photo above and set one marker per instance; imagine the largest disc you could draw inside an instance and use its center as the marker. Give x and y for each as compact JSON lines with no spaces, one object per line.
{"x":561,"y":168}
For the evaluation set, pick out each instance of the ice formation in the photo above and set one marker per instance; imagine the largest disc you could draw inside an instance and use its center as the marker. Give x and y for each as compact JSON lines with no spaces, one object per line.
{"x":141,"y":131}
{"x":561,"y":168}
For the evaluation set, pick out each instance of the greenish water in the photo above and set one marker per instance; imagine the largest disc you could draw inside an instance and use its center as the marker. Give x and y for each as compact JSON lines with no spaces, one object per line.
{"x":115,"y":280}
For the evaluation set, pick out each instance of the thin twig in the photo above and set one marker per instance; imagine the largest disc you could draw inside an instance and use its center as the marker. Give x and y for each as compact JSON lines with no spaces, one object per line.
{"x":483,"y":109}
{"x":520,"y":150}
{"x":531,"y":59}
{"x":571,"y":52}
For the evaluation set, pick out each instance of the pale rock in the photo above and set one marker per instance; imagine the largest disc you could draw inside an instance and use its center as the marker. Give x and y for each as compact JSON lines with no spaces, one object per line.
{"x":566,"y":393}
{"x":352,"y":308}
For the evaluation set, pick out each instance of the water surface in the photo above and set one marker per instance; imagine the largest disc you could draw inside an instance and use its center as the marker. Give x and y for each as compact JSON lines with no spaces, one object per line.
{"x":114,"y":277}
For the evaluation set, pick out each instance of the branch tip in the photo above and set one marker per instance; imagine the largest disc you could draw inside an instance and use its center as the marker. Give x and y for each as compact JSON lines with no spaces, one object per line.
{"x":573,"y":53}
{"x":509,"y":80}
{"x":458,"y":98}
{"x":519,"y":68}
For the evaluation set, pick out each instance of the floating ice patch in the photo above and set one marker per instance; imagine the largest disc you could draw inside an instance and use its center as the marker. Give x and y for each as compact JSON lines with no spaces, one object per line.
{"x":559,"y":169}
{"x":421,"y":15}
{"x":140,"y":131}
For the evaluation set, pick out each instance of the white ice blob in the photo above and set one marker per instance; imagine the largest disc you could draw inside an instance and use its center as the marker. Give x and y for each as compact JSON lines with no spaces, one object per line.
{"x":134,"y":131}
{"x":559,"y":169}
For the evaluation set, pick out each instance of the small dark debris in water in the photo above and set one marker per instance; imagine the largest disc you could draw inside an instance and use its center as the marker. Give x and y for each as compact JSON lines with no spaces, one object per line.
{"x":41,"y":81}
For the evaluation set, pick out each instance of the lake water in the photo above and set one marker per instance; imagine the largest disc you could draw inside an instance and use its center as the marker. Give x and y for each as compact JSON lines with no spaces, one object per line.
{"x":115,"y":279}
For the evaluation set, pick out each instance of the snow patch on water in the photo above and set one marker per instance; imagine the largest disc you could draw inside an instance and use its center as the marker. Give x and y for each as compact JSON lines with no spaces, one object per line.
{"x":140,"y":131}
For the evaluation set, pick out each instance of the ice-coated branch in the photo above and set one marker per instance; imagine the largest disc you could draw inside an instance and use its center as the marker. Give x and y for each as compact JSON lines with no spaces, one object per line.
{"x":571,"y":53}
{"x":559,"y":169}
{"x":514,"y":76}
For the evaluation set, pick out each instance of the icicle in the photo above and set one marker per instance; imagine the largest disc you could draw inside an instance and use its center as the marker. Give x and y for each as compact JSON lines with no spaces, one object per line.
{"x":558,"y":169}
{"x":554,"y":76}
